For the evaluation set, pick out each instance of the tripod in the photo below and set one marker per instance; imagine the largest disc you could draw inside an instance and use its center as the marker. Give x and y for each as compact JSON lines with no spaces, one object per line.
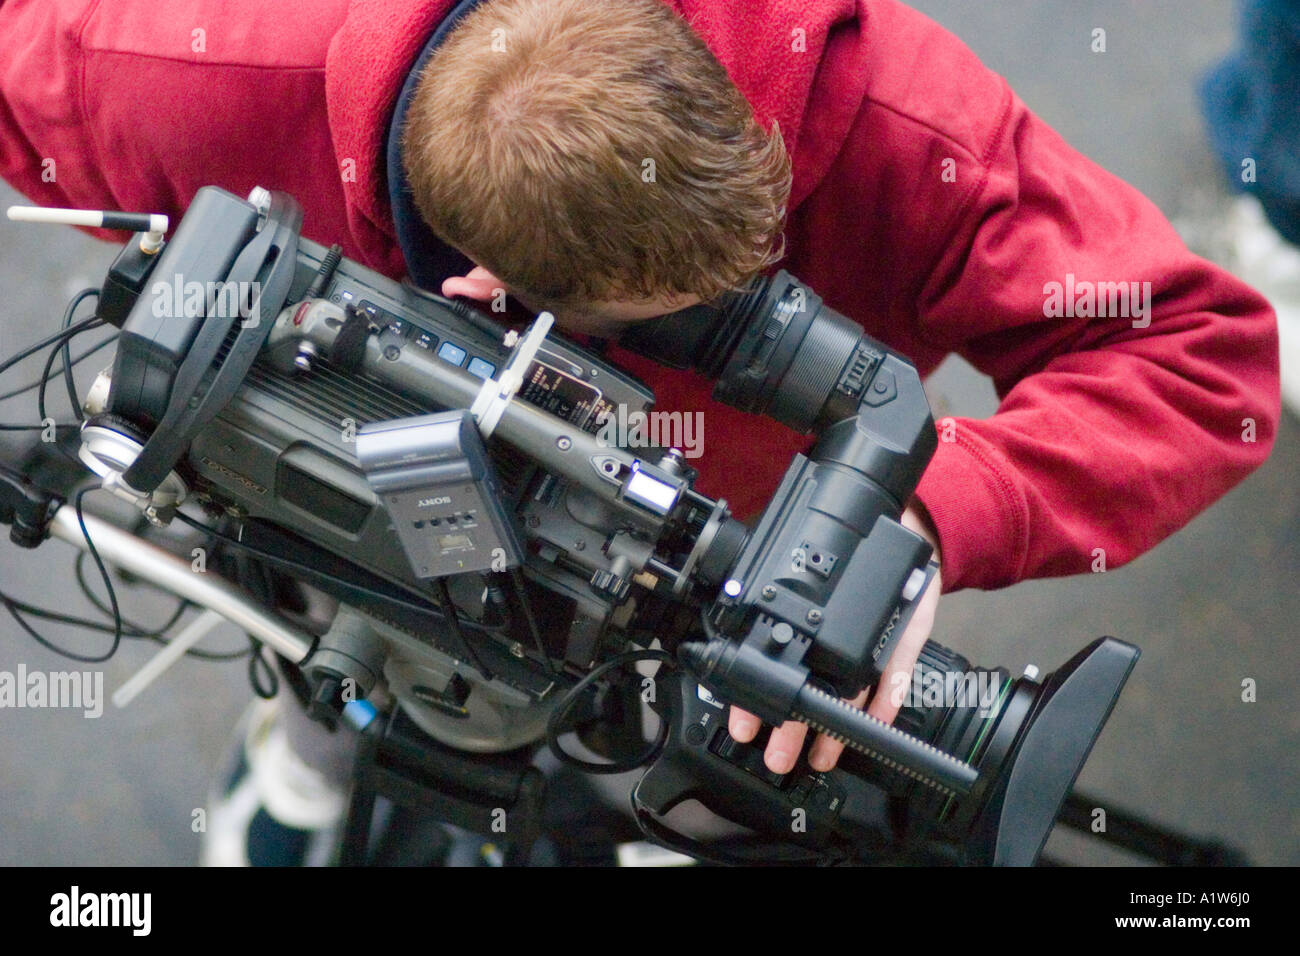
{"x":1126,"y":831}
{"x":503,"y":798}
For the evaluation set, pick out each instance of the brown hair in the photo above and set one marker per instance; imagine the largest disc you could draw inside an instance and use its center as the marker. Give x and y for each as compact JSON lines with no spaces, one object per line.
{"x":586,"y":150}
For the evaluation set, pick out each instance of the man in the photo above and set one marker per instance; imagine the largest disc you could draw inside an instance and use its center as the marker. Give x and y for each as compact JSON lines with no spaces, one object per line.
{"x":1249,"y":104}
{"x":617,"y":159}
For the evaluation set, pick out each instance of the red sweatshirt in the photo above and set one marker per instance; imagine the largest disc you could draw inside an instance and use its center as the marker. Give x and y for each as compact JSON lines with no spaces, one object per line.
{"x":929,"y":204}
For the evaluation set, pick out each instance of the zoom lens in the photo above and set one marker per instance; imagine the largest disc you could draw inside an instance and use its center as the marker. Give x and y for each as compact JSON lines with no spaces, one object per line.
{"x":957,"y":708}
{"x":1028,"y":740}
{"x":952,"y":706}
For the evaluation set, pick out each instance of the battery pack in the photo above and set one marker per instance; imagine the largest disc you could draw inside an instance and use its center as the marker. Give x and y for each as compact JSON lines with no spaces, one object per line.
{"x":434,"y":477}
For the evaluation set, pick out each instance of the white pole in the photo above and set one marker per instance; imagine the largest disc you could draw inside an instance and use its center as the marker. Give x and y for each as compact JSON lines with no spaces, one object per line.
{"x":154,"y":224}
{"x":198,"y":629}
{"x":64,"y":217}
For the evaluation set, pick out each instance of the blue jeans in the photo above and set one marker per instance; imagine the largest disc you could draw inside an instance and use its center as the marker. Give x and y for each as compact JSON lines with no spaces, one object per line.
{"x":1251,"y":102}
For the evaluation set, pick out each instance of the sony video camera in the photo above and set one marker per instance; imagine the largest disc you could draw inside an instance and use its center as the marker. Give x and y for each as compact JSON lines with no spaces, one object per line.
{"x":498,"y":563}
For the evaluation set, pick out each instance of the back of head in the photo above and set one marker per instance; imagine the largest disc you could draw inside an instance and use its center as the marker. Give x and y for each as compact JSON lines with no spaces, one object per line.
{"x":593,"y":150}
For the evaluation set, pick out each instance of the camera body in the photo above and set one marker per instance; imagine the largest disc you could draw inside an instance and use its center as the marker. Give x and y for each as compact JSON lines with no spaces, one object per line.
{"x":283,"y":450}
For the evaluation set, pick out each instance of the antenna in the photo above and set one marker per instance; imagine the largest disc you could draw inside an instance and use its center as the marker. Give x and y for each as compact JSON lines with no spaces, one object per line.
{"x":153,"y":225}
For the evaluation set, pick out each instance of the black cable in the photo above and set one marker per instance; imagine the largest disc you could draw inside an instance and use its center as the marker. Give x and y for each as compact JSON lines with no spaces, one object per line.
{"x":16,"y":613}
{"x":554,"y":728}
{"x":46,"y":342}
{"x":62,"y":337}
{"x":76,"y":361}
{"x":128,"y":631}
{"x":46,"y":375}
{"x":215,"y":657}
{"x":134,"y":630}
{"x":67,"y":349}
{"x":61,"y":618}
{"x":139,"y":629}
{"x":453,"y":621}
{"x":68,"y":335}
{"x":103,"y":571}
{"x":272,"y":686}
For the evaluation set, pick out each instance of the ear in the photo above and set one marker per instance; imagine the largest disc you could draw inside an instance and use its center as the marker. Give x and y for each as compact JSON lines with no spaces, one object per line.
{"x":479,"y":284}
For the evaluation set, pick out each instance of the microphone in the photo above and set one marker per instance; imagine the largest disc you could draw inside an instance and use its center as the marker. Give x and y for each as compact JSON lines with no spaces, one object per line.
{"x":154,"y":225}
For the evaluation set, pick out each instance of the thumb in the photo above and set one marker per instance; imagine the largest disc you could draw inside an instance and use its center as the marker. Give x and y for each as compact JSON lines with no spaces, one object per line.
{"x":897,"y":679}
{"x":478,"y":284}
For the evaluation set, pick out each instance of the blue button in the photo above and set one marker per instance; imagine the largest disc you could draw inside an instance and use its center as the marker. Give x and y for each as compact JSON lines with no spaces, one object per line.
{"x":359,"y":713}
{"x":481,"y":368}
{"x":451,"y":352}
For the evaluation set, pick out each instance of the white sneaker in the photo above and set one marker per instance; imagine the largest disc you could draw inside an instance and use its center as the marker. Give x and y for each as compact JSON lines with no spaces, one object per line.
{"x":270,"y":808}
{"x":1247,"y":245}
{"x":1288,"y":334}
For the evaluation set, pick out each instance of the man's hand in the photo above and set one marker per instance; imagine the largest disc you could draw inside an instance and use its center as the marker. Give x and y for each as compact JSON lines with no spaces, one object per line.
{"x":786,"y":741}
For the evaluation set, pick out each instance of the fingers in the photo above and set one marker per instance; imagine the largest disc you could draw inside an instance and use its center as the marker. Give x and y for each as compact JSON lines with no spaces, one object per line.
{"x":885,"y":705}
{"x":783,"y":745}
{"x":743,"y":725}
{"x":477,"y":284}
{"x":786,"y":741}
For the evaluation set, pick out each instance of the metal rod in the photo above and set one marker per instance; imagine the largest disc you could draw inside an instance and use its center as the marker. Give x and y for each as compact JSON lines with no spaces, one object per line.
{"x":1139,"y":836}
{"x":174,"y":574}
{"x":153,"y":668}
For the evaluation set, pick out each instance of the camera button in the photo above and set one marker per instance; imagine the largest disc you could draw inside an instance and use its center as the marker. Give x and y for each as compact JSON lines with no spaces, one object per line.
{"x":453,"y":353}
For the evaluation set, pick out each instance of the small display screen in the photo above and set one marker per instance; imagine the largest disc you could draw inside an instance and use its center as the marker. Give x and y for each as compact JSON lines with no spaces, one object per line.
{"x":454,"y":542}
{"x":650,"y":492}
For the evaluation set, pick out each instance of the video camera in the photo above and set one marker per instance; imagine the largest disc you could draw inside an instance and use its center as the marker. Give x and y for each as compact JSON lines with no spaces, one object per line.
{"x":499,"y":564}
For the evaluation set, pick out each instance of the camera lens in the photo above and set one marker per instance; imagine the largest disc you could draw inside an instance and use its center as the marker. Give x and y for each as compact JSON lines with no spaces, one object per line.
{"x":1027,"y":739}
{"x":955,"y":707}
{"x":964,"y":711}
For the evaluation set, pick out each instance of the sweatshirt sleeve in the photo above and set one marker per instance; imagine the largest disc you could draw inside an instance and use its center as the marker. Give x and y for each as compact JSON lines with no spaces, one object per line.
{"x":1137,"y":382}
{"x":46,"y":141}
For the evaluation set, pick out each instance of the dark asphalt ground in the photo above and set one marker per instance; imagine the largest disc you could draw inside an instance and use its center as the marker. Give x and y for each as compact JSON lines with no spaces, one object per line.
{"x":1213,"y":605}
